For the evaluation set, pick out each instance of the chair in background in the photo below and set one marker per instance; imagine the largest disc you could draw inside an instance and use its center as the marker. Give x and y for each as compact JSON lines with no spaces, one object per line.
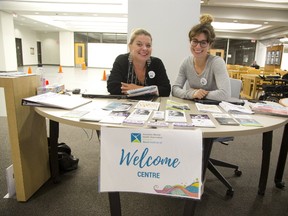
{"x":236,"y":86}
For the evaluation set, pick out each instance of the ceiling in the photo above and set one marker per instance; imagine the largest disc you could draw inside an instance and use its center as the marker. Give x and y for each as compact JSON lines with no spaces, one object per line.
{"x":269,"y":17}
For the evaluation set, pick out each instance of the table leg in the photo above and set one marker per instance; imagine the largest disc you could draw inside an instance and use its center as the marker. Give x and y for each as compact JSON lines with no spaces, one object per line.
{"x":190,"y":205}
{"x":53,"y":150}
{"x":115,"y":205}
{"x":282,"y":159}
{"x":266,"y":150}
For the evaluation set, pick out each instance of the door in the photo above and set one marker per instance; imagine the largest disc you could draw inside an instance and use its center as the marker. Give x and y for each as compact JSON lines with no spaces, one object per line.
{"x":39,"y":53}
{"x":19,"y":52}
{"x":79,"y":53}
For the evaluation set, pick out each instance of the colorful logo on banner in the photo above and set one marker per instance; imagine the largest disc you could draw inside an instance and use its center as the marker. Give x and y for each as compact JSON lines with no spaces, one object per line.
{"x":163,"y":169}
{"x":135,"y":137}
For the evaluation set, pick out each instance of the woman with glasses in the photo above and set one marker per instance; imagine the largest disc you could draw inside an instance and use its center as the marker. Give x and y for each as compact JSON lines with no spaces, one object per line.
{"x":206,"y":75}
{"x":138,"y":68}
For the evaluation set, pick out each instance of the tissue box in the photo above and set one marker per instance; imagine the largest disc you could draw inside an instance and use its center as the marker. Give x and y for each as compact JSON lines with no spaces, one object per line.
{"x":50,"y":88}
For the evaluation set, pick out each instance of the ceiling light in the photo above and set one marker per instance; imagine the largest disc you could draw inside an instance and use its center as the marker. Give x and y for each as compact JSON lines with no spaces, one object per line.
{"x":266,"y":23}
{"x":284,"y":40}
{"x":234,"y":26}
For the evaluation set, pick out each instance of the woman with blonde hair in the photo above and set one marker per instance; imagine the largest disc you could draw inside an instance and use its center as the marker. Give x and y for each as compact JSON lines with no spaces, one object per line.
{"x":138,"y":68}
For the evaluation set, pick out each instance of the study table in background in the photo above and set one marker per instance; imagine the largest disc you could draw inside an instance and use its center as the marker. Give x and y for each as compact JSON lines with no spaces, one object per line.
{"x":269,"y":123}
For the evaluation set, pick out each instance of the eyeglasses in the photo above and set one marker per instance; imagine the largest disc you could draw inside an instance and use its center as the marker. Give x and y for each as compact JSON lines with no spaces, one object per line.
{"x":202,"y":43}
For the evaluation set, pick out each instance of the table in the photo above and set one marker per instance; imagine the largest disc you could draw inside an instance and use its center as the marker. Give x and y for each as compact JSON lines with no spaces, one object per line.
{"x":209,"y":134}
{"x":28,"y":136}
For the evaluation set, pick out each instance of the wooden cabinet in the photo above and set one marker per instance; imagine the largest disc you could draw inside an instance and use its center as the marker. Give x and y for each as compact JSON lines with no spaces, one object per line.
{"x":28,"y":136}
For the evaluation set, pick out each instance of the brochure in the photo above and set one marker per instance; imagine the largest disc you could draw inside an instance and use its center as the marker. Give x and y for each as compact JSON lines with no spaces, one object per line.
{"x":153,"y":90}
{"x":175,"y":116}
{"x":118,"y":106}
{"x":246,"y":120}
{"x":139,"y":115}
{"x":270,"y":108}
{"x":210,"y":108}
{"x":232,"y":108}
{"x":201,"y":120}
{"x":95,"y":115}
{"x":224,"y":119}
{"x":173,"y":105}
{"x":158,"y":115}
{"x":115,"y":117}
{"x":148,"y":105}
{"x":157,"y":124}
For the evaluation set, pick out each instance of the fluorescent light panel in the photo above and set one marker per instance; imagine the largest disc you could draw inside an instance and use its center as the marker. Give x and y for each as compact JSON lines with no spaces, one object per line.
{"x":234,"y":26}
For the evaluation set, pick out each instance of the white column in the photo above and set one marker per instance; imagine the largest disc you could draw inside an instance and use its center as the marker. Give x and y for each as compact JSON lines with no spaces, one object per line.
{"x":169,"y":22}
{"x":66,"y":41}
{"x":8,"y":58}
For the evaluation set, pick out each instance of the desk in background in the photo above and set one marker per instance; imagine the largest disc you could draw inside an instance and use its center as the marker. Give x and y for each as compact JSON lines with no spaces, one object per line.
{"x":209,"y":134}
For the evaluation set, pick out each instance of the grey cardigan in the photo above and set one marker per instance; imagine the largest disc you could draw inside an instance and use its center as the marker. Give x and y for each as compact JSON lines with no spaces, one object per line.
{"x":214,"y":79}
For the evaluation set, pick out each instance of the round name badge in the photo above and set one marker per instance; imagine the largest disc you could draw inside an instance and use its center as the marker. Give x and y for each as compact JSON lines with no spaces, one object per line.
{"x":151,"y":74}
{"x":203,"y":81}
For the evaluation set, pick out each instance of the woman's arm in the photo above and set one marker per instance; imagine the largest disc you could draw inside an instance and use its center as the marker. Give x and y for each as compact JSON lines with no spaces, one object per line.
{"x":223,"y":91}
{"x":118,"y":74}
{"x":163,"y":82}
{"x":178,"y":89}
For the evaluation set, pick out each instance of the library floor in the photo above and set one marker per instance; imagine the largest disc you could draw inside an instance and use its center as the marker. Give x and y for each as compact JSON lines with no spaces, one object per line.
{"x":77,"y":193}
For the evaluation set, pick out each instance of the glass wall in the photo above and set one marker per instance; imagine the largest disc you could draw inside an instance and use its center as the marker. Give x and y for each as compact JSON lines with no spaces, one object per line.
{"x":240,"y":52}
{"x":100,"y":37}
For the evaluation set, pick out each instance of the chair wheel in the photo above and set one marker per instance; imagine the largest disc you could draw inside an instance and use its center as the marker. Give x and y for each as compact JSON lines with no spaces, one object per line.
{"x":230,"y":192}
{"x":238,"y":172}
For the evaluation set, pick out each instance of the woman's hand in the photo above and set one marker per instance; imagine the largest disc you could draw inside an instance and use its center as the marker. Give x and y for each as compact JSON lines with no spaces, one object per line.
{"x":125,"y":87}
{"x":200,"y":94}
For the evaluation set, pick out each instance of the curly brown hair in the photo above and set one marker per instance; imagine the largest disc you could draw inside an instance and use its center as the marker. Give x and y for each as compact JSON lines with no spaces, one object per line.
{"x":204,"y":27}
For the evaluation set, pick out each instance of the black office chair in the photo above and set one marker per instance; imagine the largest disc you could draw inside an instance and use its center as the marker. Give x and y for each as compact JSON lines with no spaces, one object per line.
{"x":236,"y":86}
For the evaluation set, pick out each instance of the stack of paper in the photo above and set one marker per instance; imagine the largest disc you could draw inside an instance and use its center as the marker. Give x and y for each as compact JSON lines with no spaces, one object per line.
{"x":54,"y":100}
{"x":232,"y":108}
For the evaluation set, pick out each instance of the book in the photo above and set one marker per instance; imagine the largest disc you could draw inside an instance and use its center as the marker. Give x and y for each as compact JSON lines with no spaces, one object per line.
{"x":147,"y":105}
{"x":54,"y":100}
{"x":232,"y":108}
{"x":173,"y":105}
{"x":210,"y":108}
{"x":246,"y":120}
{"x":224,"y":119}
{"x":201,"y":120}
{"x":175,"y":116}
{"x":146,"y":90}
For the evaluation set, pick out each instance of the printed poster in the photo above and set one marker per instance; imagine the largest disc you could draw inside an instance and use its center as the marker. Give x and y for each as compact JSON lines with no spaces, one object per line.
{"x":155,"y":161}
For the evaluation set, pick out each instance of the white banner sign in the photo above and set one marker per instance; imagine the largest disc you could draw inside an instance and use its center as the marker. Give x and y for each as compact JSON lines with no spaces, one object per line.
{"x":166,"y":162}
